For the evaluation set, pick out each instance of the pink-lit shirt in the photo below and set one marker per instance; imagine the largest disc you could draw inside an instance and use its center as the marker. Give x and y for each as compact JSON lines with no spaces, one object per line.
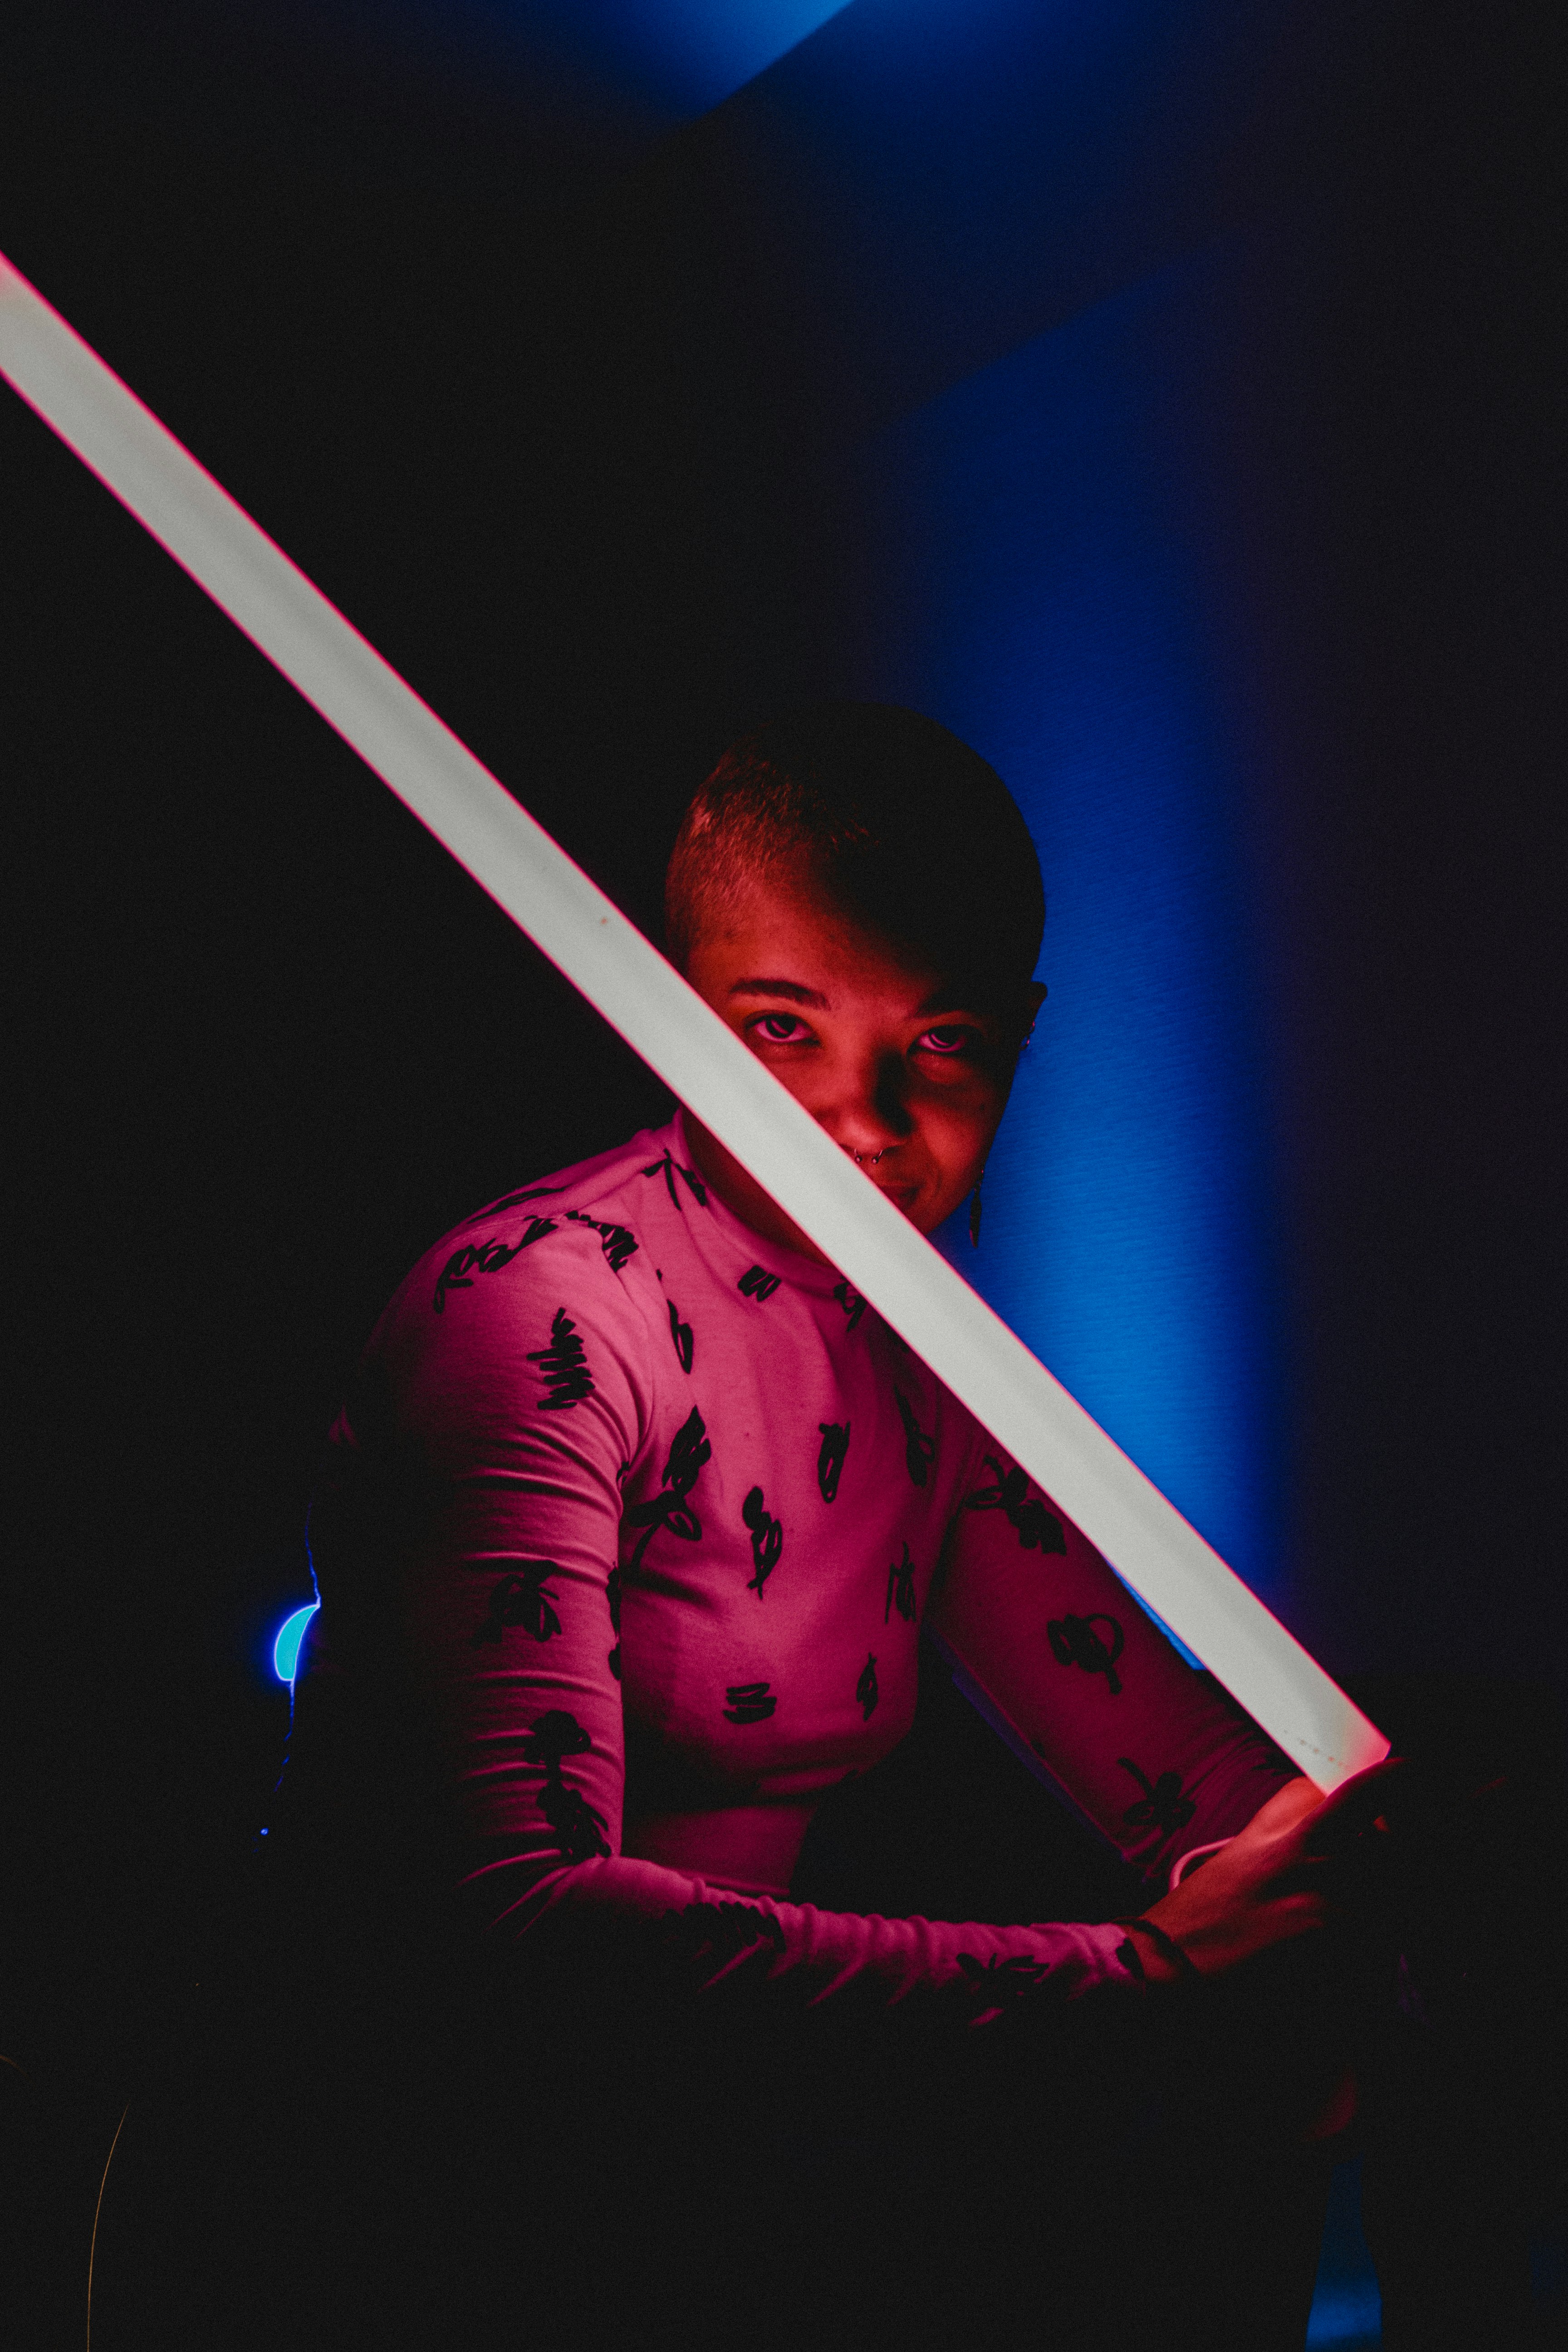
{"x":632,"y":1523}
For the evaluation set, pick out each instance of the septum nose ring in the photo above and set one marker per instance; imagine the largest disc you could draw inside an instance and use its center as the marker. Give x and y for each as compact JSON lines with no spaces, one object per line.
{"x":859,"y":1156}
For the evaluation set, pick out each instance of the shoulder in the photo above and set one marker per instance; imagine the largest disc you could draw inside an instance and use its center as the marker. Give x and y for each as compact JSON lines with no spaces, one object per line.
{"x":549,"y":1273}
{"x":578,"y":1210}
{"x":585,"y":1193}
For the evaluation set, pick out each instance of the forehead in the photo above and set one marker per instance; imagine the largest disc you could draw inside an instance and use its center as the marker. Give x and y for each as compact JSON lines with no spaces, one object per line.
{"x":802,"y":947}
{"x":799,"y":918}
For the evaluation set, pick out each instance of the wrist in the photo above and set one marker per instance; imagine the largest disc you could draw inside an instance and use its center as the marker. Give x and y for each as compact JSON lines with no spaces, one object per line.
{"x":1151,"y":1954}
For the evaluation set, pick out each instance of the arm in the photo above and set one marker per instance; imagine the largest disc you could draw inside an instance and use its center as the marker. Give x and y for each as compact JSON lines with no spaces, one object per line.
{"x":1151,"y":1752}
{"x":467,"y":1553}
{"x":1155,"y":1754}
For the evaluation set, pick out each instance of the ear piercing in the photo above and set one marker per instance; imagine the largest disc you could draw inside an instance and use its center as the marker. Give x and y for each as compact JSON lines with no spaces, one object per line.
{"x":974,"y":1209}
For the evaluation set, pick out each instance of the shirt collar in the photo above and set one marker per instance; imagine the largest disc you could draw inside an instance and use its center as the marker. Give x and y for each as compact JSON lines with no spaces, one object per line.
{"x":740,"y":1241}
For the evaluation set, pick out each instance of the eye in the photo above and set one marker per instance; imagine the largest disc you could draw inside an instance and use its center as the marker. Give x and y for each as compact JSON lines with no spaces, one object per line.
{"x":780,"y":1029}
{"x":950,"y":1040}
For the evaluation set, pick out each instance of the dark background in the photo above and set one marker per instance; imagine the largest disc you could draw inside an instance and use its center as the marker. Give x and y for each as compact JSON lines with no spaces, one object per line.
{"x":582,"y":380}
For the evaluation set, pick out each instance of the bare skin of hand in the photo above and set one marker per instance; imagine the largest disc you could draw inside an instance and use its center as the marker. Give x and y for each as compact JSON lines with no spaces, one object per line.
{"x":1295,"y":1870}
{"x":1302,"y":1868}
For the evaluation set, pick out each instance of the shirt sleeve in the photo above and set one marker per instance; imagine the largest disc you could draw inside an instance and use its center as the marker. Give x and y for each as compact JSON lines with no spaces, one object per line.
{"x":465,"y":1542}
{"x":1154,"y":1753}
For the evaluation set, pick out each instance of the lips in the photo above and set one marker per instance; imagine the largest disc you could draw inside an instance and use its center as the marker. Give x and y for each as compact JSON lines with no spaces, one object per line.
{"x":902,"y":1196}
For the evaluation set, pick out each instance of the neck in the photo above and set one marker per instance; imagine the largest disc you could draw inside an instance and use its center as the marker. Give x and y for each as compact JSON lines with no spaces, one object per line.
{"x":741,"y":1191}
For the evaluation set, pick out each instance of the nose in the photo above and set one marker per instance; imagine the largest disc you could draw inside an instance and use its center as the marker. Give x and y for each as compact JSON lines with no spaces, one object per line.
{"x":871,"y":1115}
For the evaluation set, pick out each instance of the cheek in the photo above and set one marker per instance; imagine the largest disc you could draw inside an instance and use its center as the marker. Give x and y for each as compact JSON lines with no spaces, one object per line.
{"x":801,"y":1074}
{"x":958,"y":1127}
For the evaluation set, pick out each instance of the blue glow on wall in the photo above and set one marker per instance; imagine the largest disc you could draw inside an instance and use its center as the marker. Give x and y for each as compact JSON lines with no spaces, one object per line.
{"x":1054,"y":549}
{"x":683,"y":55}
{"x":286,"y":1647}
{"x":707,"y":47}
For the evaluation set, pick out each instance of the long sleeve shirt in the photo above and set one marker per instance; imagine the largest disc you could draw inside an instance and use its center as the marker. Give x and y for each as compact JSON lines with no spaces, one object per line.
{"x":631,"y":1523}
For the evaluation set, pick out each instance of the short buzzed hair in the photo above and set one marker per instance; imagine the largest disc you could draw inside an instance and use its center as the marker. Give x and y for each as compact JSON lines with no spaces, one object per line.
{"x":914,"y":834}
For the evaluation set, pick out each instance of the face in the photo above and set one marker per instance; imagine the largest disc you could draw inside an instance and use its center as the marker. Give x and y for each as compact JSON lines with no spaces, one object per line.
{"x":881,"y":1052}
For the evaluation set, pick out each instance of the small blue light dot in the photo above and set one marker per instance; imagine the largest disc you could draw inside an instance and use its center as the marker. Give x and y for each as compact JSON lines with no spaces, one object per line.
{"x":286,"y":1648}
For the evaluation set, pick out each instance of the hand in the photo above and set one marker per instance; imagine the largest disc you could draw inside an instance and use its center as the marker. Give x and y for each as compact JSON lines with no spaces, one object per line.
{"x":1303,"y":1864}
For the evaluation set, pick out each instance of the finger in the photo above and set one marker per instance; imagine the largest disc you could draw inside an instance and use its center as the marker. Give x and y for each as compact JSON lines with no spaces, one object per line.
{"x":1357,"y":1803}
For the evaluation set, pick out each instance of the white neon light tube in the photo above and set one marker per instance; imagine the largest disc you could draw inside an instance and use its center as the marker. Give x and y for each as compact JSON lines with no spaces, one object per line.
{"x":586,"y":936}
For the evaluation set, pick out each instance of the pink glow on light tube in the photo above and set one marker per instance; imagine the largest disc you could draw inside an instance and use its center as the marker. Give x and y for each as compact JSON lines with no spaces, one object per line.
{"x":585,"y":935}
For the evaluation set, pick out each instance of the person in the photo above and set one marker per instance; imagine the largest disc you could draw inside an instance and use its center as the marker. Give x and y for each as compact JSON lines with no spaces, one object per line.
{"x":632,"y":1518}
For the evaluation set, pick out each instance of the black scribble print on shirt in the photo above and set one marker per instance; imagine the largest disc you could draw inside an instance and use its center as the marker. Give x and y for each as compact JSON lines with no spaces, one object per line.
{"x":1039,"y":1529}
{"x":830,"y":1456}
{"x":718,"y":1931}
{"x":483,"y":1258}
{"x":1163,"y":1804}
{"x":682,"y":1334}
{"x":900,"y":1588}
{"x":671,"y":1510}
{"x":670,"y":1168}
{"x":918,"y":1449}
{"x":767,"y":1540}
{"x":1075,"y":1642}
{"x":523,"y":1599}
{"x":866,"y":1691}
{"x":554,"y":1737}
{"x":515,"y":1200}
{"x":757,"y":1283}
{"x":563,"y":1366}
{"x":854,"y":1306}
{"x":579,"y":1827}
{"x":748,"y":1703}
{"x":617,"y":1242}
{"x":995,"y":1985}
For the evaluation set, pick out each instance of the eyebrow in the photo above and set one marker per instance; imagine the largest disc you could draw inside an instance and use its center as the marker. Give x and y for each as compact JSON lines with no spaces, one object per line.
{"x":794,"y":994}
{"x":790,"y":989}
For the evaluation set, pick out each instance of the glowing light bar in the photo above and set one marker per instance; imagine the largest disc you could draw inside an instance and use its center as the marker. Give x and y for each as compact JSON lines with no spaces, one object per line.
{"x":585,"y":935}
{"x":291,"y":1638}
